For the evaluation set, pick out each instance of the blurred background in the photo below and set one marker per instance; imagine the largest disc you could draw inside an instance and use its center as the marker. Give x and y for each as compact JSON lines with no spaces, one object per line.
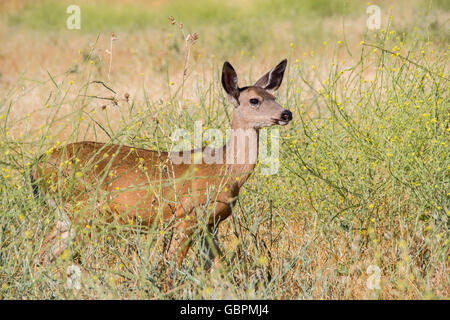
{"x":247,"y":32}
{"x":149,"y":51}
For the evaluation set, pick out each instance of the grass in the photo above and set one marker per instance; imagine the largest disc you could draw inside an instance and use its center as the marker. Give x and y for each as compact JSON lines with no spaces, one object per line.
{"x":101,"y":16}
{"x":364,"y":166}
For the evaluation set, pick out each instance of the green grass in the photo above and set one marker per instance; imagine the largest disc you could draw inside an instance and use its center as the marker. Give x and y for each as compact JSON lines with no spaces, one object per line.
{"x":101,"y":16}
{"x":51,"y":15}
{"x":247,"y":26}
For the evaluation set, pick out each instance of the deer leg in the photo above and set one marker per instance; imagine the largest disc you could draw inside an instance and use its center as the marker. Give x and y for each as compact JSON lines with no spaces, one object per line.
{"x":213,"y":249}
{"x":178,"y":248}
{"x":59,"y":238}
{"x":181,"y":242}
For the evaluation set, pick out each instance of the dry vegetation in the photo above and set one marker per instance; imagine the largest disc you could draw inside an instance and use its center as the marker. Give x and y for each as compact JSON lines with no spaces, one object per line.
{"x":364,"y":167}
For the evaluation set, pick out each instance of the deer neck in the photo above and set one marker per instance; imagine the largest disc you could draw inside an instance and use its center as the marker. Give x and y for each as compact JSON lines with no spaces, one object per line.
{"x":241,"y":151}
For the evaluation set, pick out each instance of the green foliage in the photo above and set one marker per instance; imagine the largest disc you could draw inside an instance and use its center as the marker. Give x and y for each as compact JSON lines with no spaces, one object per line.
{"x":51,"y":15}
{"x":315,"y":8}
{"x":102,"y":15}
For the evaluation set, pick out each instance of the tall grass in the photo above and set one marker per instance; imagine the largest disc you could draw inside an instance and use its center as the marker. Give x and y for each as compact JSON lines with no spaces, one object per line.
{"x":363,"y":181}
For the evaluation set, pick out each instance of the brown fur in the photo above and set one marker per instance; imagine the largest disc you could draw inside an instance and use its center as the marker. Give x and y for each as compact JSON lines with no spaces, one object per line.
{"x":133,"y":181}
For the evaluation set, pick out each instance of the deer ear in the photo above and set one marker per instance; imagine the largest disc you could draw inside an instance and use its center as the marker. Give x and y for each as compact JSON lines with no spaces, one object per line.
{"x":272,"y":79}
{"x":230,"y":83}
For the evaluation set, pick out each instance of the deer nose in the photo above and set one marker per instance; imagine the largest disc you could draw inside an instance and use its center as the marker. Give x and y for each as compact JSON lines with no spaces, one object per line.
{"x":286,"y":115}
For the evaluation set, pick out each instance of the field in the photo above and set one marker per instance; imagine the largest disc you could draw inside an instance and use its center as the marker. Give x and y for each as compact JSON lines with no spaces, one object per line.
{"x":359,"y":208}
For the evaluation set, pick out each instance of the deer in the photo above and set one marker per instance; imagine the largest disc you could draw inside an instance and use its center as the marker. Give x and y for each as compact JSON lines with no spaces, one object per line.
{"x":186,"y":188}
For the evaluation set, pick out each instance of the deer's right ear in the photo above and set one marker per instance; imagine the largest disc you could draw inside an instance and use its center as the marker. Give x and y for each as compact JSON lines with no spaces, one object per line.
{"x":272,"y":80}
{"x":230,"y":83}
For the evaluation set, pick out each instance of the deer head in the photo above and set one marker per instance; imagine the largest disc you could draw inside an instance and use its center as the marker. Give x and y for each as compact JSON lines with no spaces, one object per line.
{"x":255,"y":106}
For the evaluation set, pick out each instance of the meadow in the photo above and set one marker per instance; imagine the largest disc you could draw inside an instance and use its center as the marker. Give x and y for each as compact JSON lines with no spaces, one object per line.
{"x":359,"y":208}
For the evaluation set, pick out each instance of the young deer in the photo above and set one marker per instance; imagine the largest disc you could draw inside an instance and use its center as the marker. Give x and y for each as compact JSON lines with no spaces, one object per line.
{"x":129,"y":177}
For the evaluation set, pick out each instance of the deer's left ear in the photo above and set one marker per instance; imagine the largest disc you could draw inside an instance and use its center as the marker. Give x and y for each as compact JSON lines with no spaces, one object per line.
{"x":272,"y":79}
{"x":230,"y":83}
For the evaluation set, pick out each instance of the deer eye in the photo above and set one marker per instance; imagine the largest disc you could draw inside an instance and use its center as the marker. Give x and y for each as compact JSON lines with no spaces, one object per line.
{"x":254,"y":101}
